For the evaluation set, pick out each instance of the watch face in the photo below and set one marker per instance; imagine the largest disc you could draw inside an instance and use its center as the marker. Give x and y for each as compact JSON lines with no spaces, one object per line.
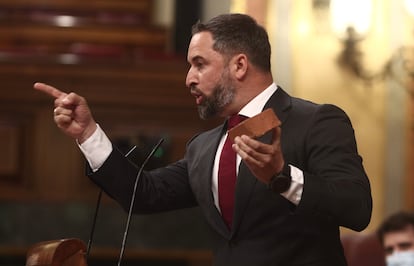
{"x":281,"y":183}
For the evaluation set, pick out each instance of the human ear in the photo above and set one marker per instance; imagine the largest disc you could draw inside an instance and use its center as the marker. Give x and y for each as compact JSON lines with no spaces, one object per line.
{"x":239,"y":63}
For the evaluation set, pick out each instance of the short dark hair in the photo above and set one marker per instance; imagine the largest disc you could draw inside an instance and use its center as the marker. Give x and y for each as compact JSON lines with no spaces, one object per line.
{"x":395,"y":222}
{"x":238,"y":33}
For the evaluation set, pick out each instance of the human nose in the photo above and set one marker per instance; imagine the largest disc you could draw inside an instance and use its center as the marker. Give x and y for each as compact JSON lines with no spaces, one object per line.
{"x":191,"y":78}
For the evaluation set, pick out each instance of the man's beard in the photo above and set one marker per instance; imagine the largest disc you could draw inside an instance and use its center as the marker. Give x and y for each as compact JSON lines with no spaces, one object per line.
{"x":222,"y":95}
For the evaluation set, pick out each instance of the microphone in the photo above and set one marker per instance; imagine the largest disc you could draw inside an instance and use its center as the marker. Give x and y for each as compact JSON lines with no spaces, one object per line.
{"x":98,"y":204}
{"x":131,"y":206}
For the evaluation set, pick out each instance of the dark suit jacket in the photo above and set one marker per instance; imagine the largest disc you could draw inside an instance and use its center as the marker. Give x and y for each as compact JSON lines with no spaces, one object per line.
{"x":268,"y":229}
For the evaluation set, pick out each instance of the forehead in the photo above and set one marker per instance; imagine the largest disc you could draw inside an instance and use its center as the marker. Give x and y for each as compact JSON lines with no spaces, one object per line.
{"x":201,"y":45}
{"x":405,"y":235}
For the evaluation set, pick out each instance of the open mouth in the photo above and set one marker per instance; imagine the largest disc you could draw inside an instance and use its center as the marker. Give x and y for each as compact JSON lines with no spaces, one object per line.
{"x":198,"y":96}
{"x":199,"y":99}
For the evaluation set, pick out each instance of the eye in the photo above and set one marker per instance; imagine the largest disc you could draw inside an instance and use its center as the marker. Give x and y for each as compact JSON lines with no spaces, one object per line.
{"x":388,"y":250}
{"x":199,"y":65}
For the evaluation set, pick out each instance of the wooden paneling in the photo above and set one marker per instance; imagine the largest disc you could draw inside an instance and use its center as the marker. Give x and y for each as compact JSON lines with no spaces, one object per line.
{"x":10,"y":142}
{"x":112,"y":55}
{"x":149,"y":100}
{"x":139,"y":6}
{"x":49,"y":34}
{"x":73,"y":30}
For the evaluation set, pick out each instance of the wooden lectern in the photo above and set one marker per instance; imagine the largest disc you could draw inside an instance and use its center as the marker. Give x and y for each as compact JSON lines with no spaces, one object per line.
{"x":63,"y":252}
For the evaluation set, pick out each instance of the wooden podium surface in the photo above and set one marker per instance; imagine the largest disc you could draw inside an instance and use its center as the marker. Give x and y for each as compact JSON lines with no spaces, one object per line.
{"x":63,"y":252}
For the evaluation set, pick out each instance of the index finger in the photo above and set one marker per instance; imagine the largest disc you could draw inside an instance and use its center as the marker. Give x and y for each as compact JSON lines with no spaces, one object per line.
{"x":52,"y":91}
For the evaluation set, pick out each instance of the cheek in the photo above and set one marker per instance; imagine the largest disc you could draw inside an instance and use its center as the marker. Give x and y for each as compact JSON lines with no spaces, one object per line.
{"x":208,"y":82}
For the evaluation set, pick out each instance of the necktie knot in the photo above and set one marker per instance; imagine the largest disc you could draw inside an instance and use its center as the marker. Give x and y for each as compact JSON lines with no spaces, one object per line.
{"x":234,"y":120}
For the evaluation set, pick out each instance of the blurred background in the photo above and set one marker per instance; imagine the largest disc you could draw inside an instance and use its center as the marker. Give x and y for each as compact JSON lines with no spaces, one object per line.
{"x":128,"y":58}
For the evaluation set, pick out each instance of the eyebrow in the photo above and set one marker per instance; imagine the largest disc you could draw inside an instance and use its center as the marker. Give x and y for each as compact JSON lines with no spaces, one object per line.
{"x":196,"y":58}
{"x":405,"y":244}
{"x":401,"y":245}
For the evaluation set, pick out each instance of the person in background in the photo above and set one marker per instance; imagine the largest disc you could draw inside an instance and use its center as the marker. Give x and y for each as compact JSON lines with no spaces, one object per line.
{"x":283,"y":198}
{"x":396,"y":234}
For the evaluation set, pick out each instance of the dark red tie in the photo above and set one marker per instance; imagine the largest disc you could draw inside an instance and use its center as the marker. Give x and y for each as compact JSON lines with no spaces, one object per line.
{"x":227,"y":174}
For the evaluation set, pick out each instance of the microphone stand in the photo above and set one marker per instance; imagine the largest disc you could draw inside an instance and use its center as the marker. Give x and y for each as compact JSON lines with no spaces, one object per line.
{"x":98,"y":204}
{"x":72,"y":251}
{"x":131,"y":207}
{"x":93,"y":224}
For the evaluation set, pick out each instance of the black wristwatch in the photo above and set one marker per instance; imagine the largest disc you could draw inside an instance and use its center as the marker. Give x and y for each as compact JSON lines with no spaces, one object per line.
{"x":280,"y":182}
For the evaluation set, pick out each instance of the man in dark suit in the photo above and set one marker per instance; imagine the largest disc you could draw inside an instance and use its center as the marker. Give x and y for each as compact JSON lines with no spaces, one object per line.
{"x":296,"y":184}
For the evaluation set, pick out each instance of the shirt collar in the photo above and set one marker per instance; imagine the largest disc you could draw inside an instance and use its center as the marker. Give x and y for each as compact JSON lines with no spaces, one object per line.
{"x":256,"y":105}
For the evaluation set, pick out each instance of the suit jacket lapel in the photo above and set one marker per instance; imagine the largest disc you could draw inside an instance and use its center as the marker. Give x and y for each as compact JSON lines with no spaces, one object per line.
{"x":206,"y":172}
{"x":280,"y":102}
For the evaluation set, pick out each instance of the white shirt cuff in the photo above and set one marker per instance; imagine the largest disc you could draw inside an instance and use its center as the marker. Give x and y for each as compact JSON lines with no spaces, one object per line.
{"x":294,"y":193}
{"x":96,"y":148}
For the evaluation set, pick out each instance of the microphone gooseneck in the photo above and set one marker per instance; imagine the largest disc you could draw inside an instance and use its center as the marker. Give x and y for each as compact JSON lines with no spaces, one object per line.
{"x":131,"y":206}
{"x":98,"y":204}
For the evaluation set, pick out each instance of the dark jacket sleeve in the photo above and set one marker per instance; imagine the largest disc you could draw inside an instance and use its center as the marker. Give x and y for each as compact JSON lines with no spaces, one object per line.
{"x":335,"y":183}
{"x":158,"y":190}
